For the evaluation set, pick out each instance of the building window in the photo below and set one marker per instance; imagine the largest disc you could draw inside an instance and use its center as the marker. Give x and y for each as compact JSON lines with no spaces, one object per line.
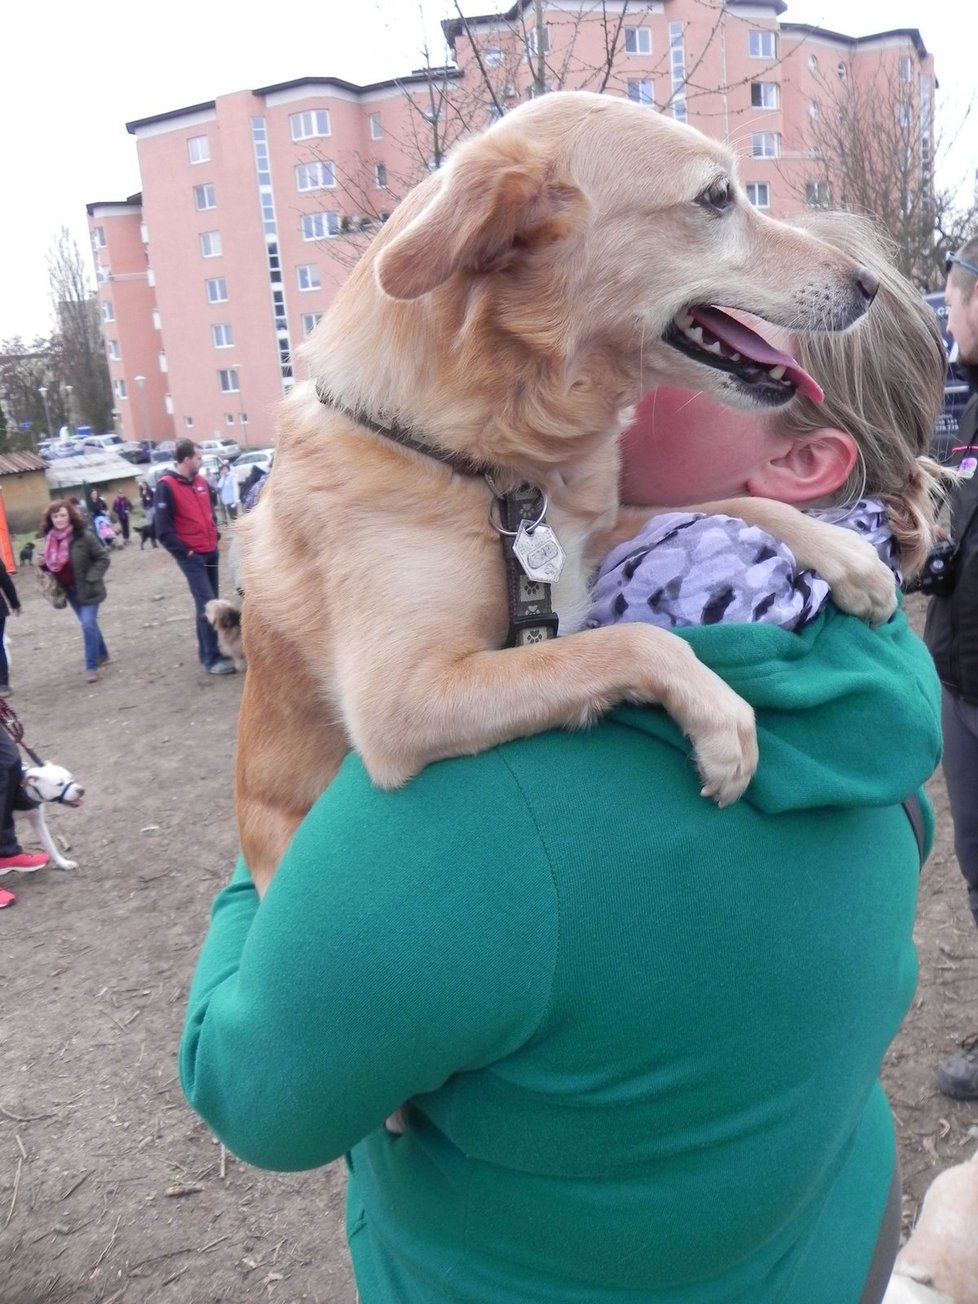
{"x":157,"y":320}
{"x":380,"y":176}
{"x":188,"y":422}
{"x":310,"y":320}
{"x":161,"y":359}
{"x":217,"y":290}
{"x":108,"y":311}
{"x":228,"y":380}
{"x":98,"y":237}
{"x":813,"y":110}
{"x":638,"y":40}
{"x":765,"y":144}
{"x":677,"y":70}
{"x":841,"y":71}
{"x":204,"y":198}
{"x":115,"y":353}
{"x":317,"y":226}
{"x":376,"y":130}
{"x":538,"y":41}
{"x":764,"y":95}
{"x":759,"y":194}
{"x":639,"y":90}
{"x":903,"y":113}
{"x":818,"y":194}
{"x":812,"y":64}
{"x":119,"y":385}
{"x":198,"y":149}
{"x":906,"y":68}
{"x":315,"y":176}
{"x":762,"y":45}
{"x":304,"y":126}
{"x":308,"y":276}
{"x":222,"y":335}
{"x":229,"y":418}
{"x":210,"y":243}
{"x":150,"y":276}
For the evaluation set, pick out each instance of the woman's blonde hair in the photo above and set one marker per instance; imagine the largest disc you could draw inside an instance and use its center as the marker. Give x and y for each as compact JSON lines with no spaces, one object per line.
{"x":884,"y":384}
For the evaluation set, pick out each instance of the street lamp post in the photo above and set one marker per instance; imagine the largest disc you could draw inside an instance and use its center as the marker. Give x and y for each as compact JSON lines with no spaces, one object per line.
{"x":42,"y":390}
{"x":141,"y":382}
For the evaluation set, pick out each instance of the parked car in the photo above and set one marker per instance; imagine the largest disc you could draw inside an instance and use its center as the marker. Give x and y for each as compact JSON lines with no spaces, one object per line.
{"x":956,"y":390}
{"x":135,"y":450}
{"x":228,"y":450}
{"x":102,"y":443}
{"x":164,"y":452}
{"x":63,"y":448}
{"x":210,"y":468}
{"x":153,"y":472}
{"x":260,"y":457}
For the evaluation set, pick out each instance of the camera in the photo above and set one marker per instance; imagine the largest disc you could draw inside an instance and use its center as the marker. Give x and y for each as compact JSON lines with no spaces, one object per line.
{"x":939,"y":572}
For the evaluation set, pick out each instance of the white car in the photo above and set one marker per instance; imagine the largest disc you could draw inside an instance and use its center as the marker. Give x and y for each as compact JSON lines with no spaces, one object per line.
{"x":102,"y":443}
{"x":260,"y":457}
{"x":227,"y":450}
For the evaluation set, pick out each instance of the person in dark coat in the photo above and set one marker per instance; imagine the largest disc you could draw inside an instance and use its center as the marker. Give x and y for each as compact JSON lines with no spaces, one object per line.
{"x":9,"y":602}
{"x":78,"y":561}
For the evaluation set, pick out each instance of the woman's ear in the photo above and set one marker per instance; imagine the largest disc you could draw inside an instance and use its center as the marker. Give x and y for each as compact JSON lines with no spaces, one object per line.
{"x":813,"y":467}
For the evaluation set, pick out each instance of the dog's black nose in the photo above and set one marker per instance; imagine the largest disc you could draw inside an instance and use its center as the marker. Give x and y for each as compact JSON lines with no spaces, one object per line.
{"x":867,"y":282}
{"x":79,"y":790}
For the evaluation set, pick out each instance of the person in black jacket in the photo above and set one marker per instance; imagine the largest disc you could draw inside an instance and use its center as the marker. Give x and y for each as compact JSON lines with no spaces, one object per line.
{"x":951,"y":631}
{"x":9,"y":602}
{"x":78,"y":561}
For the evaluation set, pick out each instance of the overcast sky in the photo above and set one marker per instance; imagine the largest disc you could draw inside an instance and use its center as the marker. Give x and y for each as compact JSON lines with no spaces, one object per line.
{"x":73,"y":75}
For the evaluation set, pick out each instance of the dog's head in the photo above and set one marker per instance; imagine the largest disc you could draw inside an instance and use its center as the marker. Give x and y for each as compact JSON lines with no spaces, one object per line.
{"x":583,"y":227}
{"x":52,"y":783}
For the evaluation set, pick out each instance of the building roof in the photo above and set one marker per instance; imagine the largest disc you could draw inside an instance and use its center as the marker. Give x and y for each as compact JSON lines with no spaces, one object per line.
{"x":92,"y":469}
{"x":454,"y":27}
{"x":905,"y":33}
{"x":18,"y":463}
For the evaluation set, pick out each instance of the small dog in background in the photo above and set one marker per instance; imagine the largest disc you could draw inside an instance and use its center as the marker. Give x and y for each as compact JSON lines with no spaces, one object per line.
{"x":225,"y":619}
{"x":47,"y":783}
{"x":147,"y":534}
{"x":27,"y":554}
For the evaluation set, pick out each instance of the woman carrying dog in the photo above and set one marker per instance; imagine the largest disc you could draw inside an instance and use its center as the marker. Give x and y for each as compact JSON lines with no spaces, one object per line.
{"x":639,"y":1036}
{"x":78,"y":561}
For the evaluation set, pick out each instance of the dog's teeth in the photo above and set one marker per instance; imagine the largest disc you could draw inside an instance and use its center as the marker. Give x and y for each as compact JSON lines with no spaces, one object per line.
{"x":695,"y":333}
{"x":776,"y":373}
{"x":685,"y":321}
{"x":714,"y":348}
{"x":735,"y":357}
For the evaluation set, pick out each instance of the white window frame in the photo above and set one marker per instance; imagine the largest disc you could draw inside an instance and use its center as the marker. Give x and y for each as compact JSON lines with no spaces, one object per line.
{"x":638,"y":40}
{"x":119,"y":386}
{"x":217,"y":289}
{"x":198,"y":149}
{"x":317,"y":175}
{"x":222,"y":335}
{"x":532,"y":38}
{"x":307,"y":277}
{"x":320,"y":226}
{"x":310,"y":124}
{"x":765,"y":144}
{"x":762,"y":44}
{"x":228,"y":380}
{"x":759,"y":193}
{"x":205,"y":197}
{"x":375,"y":126}
{"x":818,"y":194}
{"x":380,"y":176}
{"x":906,"y":69}
{"x":210,"y":244}
{"x":492,"y":56}
{"x":640,"y":91}
{"x":108,"y":310}
{"x":98,"y":237}
{"x":764,"y":95}
{"x":161,"y":359}
{"x":115,"y":351}
{"x":310,"y":320}
{"x":157,"y":320}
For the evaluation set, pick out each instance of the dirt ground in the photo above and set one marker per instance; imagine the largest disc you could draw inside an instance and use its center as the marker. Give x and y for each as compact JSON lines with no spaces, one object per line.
{"x":110,"y":1189}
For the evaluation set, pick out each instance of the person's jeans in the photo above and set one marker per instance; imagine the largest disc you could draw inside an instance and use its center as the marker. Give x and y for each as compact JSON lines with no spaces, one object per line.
{"x":92,"y":640}
{"x":959,"y":724}
{"x":200,"y":571}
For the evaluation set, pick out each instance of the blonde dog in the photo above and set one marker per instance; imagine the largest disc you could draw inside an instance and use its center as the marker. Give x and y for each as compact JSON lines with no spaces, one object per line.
{"x":495,"y":334}
{"x":939,"y":1263}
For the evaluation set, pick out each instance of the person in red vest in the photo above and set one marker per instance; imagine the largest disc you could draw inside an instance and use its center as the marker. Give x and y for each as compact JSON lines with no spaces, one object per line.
{"x":186,"y":527}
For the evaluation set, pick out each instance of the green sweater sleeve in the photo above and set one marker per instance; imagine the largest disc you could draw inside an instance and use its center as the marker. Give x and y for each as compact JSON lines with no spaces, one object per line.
{"x":405,"y":937}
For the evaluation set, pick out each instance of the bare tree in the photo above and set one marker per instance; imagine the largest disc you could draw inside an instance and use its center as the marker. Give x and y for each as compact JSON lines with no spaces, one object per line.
{"x":26,"y":369}
{"x":81,"y":360}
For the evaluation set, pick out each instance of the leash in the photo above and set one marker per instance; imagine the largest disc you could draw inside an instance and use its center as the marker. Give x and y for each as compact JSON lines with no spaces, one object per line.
{"x":532,"y":555}
{"x":11,"y":725}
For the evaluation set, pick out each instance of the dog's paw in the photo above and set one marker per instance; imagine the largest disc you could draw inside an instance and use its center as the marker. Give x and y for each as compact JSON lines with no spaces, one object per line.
{"x":726,"y":750}
{"x":66,"y":864}
{"x":861,"y":584}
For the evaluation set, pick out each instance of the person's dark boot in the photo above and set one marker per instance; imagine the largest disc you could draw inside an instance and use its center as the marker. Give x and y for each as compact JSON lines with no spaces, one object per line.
{"x":958,"y":1075}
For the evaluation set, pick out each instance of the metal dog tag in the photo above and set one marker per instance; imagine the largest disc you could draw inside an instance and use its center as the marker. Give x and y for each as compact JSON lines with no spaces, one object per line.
{"x":539,"y":553}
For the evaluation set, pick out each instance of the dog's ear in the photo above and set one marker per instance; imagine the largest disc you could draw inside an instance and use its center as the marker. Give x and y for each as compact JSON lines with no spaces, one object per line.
{"x":486,"y":209}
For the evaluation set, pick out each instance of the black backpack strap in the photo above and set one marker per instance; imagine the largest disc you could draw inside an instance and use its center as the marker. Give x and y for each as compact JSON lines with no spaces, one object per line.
{"x":915,"y":814}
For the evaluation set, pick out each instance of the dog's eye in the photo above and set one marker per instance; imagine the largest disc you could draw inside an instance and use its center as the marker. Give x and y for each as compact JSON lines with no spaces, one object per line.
{"x":719,"y":196}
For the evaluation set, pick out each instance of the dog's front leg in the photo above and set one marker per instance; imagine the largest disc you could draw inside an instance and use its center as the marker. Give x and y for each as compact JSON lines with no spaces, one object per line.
{"x":42,"y":834}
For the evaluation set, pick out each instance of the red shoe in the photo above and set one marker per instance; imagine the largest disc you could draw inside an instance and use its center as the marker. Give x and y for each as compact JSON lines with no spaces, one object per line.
{"x":25,"y":862}
{"x":6,"y":899}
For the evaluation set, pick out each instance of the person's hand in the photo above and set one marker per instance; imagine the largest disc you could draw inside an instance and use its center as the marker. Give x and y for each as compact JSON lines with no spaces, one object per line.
{"x":16,"y":611}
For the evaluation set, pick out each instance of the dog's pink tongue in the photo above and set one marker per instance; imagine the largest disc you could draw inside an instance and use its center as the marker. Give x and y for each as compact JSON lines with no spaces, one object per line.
{"x":741,"y":339}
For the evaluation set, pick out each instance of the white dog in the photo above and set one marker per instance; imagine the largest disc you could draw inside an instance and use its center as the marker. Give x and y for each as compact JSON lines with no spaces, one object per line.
{"x":939,"y":1263}
{"x":46,"y":783}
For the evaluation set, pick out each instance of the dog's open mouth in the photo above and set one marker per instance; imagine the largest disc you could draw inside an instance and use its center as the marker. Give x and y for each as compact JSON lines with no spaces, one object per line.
{"x":714,"y":339}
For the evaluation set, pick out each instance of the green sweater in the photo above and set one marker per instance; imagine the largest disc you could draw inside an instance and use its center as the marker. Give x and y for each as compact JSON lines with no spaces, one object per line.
{"x":640,"y":1035}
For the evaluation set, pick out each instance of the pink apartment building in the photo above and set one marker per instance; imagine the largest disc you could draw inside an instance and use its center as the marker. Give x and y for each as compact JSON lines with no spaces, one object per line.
{"x":254,"y":206}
